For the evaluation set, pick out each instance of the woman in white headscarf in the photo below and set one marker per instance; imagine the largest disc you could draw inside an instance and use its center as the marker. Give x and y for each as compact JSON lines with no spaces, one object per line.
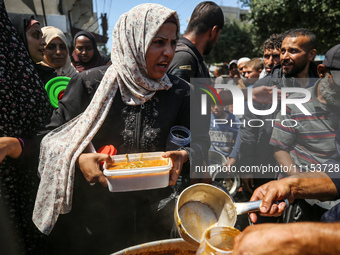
{"x":132,"y":105}
{"x":56,"y":53}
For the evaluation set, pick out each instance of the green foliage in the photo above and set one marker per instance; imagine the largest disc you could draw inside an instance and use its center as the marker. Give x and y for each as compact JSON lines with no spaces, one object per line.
{"x":322,"y":17}
{"x":235,"y":42}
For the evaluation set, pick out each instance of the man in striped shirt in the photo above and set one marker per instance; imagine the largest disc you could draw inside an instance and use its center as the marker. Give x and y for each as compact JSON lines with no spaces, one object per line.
{"x":306,"y":141}
{"x":303,"y":143}
{"x":304,"y":237}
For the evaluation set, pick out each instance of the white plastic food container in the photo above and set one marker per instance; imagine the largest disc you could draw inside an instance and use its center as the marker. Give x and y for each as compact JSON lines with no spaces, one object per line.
{"x":142,"y":178}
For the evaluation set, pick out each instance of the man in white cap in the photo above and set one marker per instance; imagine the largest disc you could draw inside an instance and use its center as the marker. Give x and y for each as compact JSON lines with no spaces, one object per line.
{"x":240,"y":64}
{"x":234,"y":75}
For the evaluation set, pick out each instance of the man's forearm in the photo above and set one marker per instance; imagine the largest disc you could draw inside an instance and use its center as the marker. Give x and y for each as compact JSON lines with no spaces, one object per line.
{"x":311,"y":238}
{"x":284,"y":159}
{"x":312,"y":186}
{"x":321,"y":238}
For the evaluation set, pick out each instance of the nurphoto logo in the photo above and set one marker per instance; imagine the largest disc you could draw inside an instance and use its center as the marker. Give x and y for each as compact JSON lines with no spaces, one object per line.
{"x":238,"y":100}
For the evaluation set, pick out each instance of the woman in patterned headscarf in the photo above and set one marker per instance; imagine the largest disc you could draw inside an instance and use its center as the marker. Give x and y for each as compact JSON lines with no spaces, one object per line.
{"x":132,"y":105}
{"x":24,"y":109}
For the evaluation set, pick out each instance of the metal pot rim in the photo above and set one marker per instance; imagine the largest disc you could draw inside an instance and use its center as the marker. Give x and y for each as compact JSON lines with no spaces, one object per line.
{"x":152,"y":246}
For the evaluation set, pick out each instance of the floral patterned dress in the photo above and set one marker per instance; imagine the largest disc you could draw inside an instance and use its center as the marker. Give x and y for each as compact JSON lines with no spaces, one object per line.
{"x":24,"y":107}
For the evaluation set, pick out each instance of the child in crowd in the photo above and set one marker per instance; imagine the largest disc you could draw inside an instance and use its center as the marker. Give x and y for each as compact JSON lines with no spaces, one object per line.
{"x":252,"y":70}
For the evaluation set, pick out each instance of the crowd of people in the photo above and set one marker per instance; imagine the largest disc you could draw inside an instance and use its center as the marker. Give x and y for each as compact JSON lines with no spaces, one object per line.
{"x":53,"y":193}
{"x":303,"y":143}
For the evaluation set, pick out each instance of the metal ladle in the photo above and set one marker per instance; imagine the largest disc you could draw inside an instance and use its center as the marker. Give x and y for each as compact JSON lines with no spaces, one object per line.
{"x":202,"y":205}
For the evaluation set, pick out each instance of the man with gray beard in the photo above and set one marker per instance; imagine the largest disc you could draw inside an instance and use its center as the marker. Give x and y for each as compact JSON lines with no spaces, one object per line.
{"x":303,"y":143}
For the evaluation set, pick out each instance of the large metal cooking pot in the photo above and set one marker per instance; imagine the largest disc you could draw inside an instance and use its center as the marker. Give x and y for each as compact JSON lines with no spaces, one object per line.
{"x":169,"y":247}
{"x":203,"y":205}
{"x":216,"y":160}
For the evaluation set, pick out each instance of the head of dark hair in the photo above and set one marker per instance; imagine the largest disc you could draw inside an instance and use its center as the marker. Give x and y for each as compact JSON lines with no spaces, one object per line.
{"x":221,"y":69}
{"x":302,"y":32}
{"x":273,"y":42}
{"x":205,"y":16}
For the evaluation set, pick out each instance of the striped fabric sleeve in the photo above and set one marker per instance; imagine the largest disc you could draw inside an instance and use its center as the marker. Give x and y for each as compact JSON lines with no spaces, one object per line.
{"x":332,"y":170}
{"x":283,"y":135}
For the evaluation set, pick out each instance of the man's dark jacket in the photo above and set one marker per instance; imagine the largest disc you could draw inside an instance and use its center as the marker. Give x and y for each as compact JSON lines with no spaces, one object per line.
{"x":188,"y":62}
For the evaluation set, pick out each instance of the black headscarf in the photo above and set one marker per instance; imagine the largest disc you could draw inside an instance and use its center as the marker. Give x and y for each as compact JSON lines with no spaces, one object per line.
{"x":24,"y":102}
{"x":20,"y":22}
{"x":97,"y":59}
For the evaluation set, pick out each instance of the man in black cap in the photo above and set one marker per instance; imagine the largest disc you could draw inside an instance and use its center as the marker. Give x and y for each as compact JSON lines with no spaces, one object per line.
{"x":332,"y":63}
{"x":306,"y":237}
